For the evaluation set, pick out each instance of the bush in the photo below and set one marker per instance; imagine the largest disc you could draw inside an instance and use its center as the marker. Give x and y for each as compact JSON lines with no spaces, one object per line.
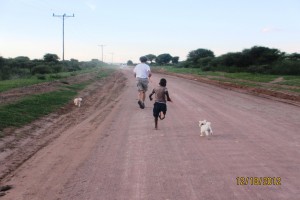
{"x":262,"y":69}
{"x":57,"y":68}
{"x":229,"y":69}
{"x":41,"y":77}
{"x":287,"y":67}
{"x":204,"y":62}
{"x":41,"y":69}
{"x":5,"y":73}
{"x":55,"y":76}
{"x":207,"y":68}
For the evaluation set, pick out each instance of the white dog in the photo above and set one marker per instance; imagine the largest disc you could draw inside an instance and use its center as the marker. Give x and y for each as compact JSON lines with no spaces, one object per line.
{"x":205,"y":127}
{"x":77,"y":101}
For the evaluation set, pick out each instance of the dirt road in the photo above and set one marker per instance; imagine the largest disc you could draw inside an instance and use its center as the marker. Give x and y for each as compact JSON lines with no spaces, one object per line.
{"x":115,"y":153}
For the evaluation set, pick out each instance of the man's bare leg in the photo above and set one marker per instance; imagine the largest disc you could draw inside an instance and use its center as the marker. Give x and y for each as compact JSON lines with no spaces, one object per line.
{"x":143,"y":96}
{"x":155,"y":121}
{"x":141,"y":99}
{"x":140,"y":96}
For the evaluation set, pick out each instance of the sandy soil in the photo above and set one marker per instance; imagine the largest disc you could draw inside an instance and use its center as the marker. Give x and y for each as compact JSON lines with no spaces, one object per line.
{"x":24,"y":142}
{"x":108,"y":148}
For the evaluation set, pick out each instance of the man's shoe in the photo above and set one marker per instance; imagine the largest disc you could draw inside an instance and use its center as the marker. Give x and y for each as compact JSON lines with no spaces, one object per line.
{"x":140,"y":104}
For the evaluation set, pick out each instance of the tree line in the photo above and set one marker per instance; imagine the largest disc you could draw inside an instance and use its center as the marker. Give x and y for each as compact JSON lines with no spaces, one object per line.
{"x":162,"y":59}
{"x":22,"y":66}
{"x":257,"y":59}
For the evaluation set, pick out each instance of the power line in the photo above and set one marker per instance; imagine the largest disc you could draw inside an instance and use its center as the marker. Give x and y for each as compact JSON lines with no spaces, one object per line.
{"x":63,"y":17}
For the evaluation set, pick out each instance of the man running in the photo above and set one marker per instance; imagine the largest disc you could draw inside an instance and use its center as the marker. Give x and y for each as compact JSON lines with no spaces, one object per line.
{"x":142,"y":73}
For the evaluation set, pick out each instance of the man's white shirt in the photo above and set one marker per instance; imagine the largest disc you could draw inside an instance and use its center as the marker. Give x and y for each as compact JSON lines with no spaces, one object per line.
{"x":142,"y":70}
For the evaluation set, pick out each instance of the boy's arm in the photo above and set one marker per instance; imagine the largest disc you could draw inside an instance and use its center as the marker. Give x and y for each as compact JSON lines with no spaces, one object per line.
{"x":168,"y":97}
{"x":150,"y":96}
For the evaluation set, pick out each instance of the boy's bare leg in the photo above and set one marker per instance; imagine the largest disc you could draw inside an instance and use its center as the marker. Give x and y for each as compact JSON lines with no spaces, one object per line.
{"x":161,"y":116}
{"x":155,"y":121}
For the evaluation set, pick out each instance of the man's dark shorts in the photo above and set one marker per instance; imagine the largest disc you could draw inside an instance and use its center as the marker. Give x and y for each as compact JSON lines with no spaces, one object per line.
{"x":159,"y":107}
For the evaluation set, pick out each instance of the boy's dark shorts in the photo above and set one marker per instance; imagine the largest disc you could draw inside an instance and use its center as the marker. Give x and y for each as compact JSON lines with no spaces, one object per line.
{"x":159,"y":107}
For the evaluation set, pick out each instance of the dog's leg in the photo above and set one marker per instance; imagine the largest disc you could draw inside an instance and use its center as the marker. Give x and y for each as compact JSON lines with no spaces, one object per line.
{"x":206,"y":133}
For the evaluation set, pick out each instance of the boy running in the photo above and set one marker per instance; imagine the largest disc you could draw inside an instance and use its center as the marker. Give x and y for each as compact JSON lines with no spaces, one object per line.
{"x":160,"y":105}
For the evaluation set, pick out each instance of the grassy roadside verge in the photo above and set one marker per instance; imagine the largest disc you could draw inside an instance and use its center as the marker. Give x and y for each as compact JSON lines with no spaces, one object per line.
{"x":243,"y":79}
{"x":33,"y":107}
{"x":16,"y":83}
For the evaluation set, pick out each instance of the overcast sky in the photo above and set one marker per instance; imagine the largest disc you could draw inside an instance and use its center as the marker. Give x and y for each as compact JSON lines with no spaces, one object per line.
{"x":132,"y":28}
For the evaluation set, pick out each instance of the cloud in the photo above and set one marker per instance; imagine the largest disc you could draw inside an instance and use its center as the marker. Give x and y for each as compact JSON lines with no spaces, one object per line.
{"x":270,"y":30}
{"x":91,"y":6}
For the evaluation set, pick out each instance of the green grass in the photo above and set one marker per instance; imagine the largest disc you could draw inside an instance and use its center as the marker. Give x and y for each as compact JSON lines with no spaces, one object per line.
{"x":263,"y":78}
{"x":33,"y":107}
{"x":16,"y":83}
{"x":291,"y":81}
{"x":252,"y":77}
{"x":196,"y":71}
{"x":78,"y":87}
{"x":105,"y":72}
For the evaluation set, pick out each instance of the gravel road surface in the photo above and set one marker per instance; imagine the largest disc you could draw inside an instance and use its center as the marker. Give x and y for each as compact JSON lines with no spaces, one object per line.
{"x":253,"y":154}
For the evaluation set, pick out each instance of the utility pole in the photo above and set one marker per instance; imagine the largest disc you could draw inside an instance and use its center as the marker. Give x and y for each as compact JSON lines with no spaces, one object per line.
{"x":63,"y":17}
{"x":112,"y":58}
{"x":102,"y":45}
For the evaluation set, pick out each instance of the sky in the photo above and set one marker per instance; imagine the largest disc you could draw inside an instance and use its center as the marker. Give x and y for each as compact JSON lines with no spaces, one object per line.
{"x":129,"y":29}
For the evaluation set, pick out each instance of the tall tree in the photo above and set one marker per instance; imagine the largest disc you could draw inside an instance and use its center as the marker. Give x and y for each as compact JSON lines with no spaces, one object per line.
{"x":129,"y":63}
{"x":175,"y":59}
{"x":195,"y":55}
{"x":51,"y":58}
{"x":163,"y":59}
{"x":22,"y":61}
{"x":293,"y":56}
{"x":2,"y":60}
{"x":151,"y":57}
{"x":258,"y":55}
